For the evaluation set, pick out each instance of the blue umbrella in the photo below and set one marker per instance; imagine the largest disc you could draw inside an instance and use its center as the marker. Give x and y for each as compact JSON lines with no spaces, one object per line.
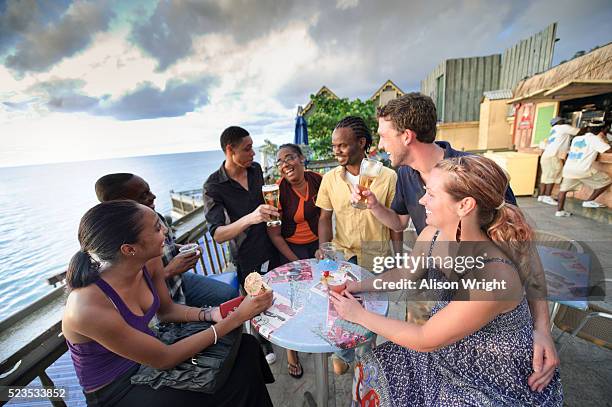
{"x":301,"y":131}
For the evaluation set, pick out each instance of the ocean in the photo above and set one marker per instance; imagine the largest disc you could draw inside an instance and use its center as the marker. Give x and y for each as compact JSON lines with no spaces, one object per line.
{"x":41,"y":206}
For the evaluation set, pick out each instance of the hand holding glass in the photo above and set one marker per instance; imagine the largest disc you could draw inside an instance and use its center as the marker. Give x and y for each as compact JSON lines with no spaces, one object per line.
{"x":271,"y":197}
{"x":369,"y":170}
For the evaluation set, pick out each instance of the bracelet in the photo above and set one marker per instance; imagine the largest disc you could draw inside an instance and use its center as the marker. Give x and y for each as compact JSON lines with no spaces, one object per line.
{"x":208,"y":314}
{"x":200,"y":313}
{"x":215,"y":331}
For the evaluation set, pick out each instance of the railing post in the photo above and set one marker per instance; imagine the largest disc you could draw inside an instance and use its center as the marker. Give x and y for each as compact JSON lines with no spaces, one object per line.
{"x":210,"y":259}
{"x":217,"y":256}
{"x":47,"y":382}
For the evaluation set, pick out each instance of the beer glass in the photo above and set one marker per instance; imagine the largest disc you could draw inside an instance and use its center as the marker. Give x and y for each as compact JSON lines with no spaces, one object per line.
{"x":368,"y":171}
{"x":271,"y":197}
{"x":329,"y":251}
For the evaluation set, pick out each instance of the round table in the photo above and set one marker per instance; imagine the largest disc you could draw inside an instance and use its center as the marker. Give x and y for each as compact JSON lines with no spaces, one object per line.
{"x":308,"y":322}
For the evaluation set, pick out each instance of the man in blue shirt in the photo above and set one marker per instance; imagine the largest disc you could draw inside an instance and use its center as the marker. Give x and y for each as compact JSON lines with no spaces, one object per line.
{"x":407,"y":129}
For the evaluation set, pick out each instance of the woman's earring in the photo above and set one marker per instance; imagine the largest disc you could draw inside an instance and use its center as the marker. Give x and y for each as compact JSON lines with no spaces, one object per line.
{"x":458,"y":235}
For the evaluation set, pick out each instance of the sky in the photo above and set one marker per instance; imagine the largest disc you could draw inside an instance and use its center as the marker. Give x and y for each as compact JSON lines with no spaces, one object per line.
{"x":83,"y":80}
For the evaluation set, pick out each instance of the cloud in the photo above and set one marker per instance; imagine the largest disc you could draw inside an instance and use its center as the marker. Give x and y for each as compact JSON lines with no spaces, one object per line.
{"x":579,"y":28}
{"x":62,"y":95}
{"x":168,"y":34}
{"x":56,"y":86}
{"x":72,"y":103}
{"x":149,"y":102}
{"x":42,"y":45}
{"x":18,"y":106}
{"x":146,"y":101}
{"x":19,"y":17}
{"x":346,"y":4}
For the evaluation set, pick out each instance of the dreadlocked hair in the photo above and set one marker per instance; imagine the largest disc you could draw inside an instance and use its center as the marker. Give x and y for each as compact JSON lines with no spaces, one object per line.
{"x":359,"y":127}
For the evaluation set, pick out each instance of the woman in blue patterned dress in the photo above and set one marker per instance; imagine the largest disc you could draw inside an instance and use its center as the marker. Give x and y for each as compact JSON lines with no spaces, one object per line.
{"x":476,"y":348}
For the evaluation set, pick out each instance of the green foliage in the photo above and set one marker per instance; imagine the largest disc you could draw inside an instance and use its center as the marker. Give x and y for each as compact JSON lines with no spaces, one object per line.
{"x":328,"y":112}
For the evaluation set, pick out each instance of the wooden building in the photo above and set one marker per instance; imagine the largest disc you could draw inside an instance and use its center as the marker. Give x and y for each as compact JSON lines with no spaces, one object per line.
{"x":457,"y":85}
{"x":309,"y":108}
{"x":527,"y":57}
{"x":388,"y":91}
{"x":495,"y":130}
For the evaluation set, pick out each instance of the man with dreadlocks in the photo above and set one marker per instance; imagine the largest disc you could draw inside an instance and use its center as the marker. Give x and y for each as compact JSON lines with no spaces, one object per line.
{"x":359,"y":235}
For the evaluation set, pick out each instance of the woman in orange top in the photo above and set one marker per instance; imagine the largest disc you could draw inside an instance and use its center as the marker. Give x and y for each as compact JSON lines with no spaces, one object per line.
{"x":297,"y":237}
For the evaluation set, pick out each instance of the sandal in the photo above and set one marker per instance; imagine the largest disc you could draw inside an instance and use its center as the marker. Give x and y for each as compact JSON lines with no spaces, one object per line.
{"x":295,"y":368}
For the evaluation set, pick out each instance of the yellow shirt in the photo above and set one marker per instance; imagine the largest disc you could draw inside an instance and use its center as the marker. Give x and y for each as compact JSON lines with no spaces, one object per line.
{"x":358,"y":232}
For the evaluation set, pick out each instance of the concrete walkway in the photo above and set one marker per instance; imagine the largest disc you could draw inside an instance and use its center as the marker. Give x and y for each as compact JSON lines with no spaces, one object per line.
{"x":586,"y":369}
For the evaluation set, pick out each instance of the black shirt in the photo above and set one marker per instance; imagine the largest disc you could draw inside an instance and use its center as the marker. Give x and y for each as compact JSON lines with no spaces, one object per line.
{"x":410,"y":188}
{"x":226,"y":201}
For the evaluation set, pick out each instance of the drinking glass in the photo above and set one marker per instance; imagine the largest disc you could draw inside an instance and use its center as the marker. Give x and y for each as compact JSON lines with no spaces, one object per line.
{"x":329,"y":251}
{"x":368,"y":171}
{"x":271,"y":197}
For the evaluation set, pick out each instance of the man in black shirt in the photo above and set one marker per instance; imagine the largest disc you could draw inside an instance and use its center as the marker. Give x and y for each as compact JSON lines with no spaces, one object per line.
{"x":235,"y":209}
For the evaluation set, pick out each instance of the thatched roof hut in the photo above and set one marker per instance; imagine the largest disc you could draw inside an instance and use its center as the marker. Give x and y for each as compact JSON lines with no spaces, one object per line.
{"x":584,"y":76}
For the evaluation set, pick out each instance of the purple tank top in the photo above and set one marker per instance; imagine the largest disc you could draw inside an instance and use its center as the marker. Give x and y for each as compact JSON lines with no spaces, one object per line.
{"x":97,"y":366}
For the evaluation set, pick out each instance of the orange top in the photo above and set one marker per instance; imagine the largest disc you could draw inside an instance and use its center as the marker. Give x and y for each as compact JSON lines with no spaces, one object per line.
{"x":302,"y":234}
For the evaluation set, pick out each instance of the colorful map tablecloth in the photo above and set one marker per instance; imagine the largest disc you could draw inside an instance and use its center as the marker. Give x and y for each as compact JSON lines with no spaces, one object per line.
{"x":315,"y":326}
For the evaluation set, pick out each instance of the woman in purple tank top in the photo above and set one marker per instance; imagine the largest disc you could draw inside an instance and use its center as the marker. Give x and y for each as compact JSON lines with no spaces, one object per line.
{"x":112,"y":299}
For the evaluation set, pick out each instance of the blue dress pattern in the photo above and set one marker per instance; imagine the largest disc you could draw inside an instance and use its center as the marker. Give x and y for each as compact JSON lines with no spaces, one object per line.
{"x":490,"y":367}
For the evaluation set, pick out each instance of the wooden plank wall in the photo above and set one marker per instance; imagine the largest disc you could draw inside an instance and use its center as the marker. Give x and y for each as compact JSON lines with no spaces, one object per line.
{"x":466,"y":80}
{"x":528,"y":57}
{"x":428,"y":85}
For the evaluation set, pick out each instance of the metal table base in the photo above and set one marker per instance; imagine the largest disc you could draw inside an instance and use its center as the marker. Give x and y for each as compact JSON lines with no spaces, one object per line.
{"x":321,"y":381}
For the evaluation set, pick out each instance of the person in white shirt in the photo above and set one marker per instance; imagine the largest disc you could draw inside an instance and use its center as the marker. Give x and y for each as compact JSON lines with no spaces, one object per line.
{"x":555,"y":148}
{"x":578,"y":168}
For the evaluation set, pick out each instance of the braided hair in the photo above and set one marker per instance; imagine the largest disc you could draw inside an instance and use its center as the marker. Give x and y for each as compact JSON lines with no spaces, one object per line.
{"x":359,"y":127}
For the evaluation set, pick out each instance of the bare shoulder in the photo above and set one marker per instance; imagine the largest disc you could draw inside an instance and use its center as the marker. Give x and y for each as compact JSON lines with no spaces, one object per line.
{"x":423,"y":242}
{"x":84,"y":304}
{"x":427,"y":234}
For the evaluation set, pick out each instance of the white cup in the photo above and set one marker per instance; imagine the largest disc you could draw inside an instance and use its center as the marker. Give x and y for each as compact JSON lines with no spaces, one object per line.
{"x":188,"y":249}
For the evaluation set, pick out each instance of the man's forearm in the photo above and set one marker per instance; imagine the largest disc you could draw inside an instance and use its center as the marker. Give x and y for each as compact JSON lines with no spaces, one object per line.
{"x":229,"y":232}
{"x":388,"y":217}
{"x":325,"y":229}
{"x":539,"y":312}
{"x":397,"y":241}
